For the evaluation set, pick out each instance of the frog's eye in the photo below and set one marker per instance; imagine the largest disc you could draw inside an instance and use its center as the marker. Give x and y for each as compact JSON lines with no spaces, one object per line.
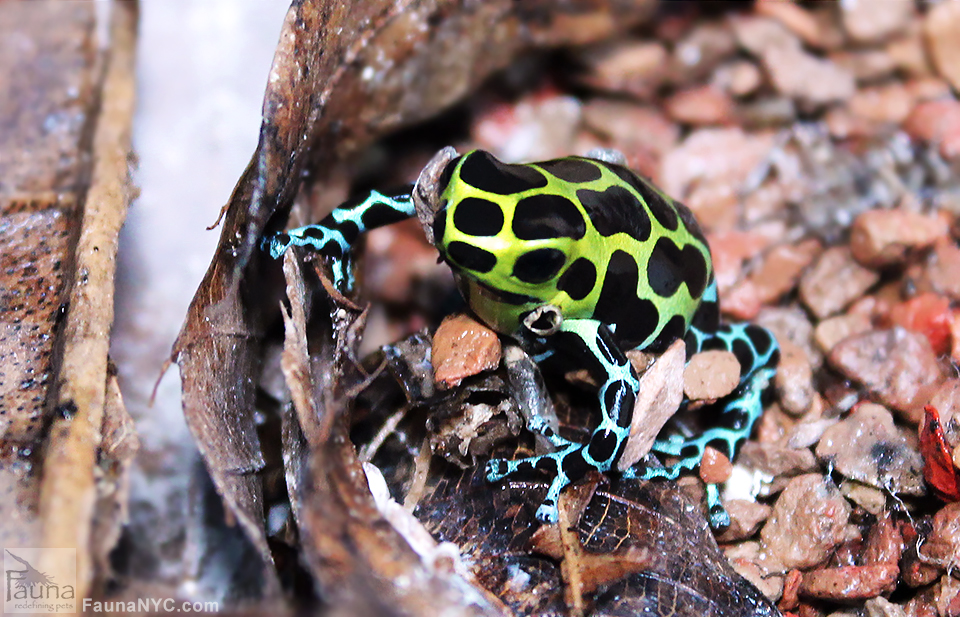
{"x":539,"y":265}
{"x":478,"y":217}
{"x":481,"y":170}
{"x":471,"y":257}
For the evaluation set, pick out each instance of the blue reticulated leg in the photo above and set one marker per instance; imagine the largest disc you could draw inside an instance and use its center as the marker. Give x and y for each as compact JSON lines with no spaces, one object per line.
{"x":336,"y":233}
{"x":592,"y":345}
{"x":758,"y":354}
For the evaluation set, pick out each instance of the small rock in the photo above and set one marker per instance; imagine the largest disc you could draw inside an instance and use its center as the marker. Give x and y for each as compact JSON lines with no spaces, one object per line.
{"x":791,"y":591}
{"x":948,"y":596}
{"x":955,"y":336}
{"x":463,"y":347}
{"x":781,"y":268}
{"x":738,"y":77}
{"x":812,"y":81}
{"x":701,"y":50}
{"x":884,"y":542}
{"x":866,"y":446}
{"x":710,"y":375}
{"x":832,"y":330}
{"x":916,"y":569}
{"x":715,"y":467}
{"x":943,"y":543}
{"x":758,"y":34}
{"x":936,"y":122}
{"x":726,"y":155}
{"x":714,"y":204}
{"x":898,"y":365}
{"x":791,"y":323}
{"x":869,"y":22}
{"x":940,"y":27}
{"x":808,"y":432}
{"x":947,"y":402}
{"x":541,"y":126}
{"x":637,"y":67}
{"x":927,"y":88}
{"x":808,"y":521}
{"x":909,"y":54}
{"x":700,"y":106}
{"x":834,"y":281}
{"x":866,"y":65}
{"x":881,"y":607}
{"x":794,"y":18}
{"x":871,"y":499}
{"x":890,"y":104}
{"x":928,"y":314}
{"x":794,"y":379}
{"x":729,"y":250}
{"x":849,"y":583}
{"x":767,"y":112}
{"x":629,"y":126}
{"x":883,"y":237}
{"x":942,"y":272}
{"x":844,"y":124}
{"x":776,"y":459}
{"x":769,"y":583}
{"x":745,"y":519}
{"x":766,"y":202}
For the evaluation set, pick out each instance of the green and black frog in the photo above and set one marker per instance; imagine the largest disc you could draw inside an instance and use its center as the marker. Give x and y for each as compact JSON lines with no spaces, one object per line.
{"x":580,"y":259}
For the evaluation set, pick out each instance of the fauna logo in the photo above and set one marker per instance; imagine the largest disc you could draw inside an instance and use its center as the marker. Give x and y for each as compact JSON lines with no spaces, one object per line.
{"x":28,"y":589}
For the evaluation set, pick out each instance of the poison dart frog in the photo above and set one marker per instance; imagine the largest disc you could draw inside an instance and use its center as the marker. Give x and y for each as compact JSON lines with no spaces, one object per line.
{"x":581,"y":260}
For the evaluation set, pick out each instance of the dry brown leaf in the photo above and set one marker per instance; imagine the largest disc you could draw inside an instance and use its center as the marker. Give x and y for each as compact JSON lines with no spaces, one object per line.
{"x":63,"y":198}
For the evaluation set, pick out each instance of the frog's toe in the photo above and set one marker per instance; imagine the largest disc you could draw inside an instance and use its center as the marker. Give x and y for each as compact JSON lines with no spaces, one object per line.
{"x":276,"y":244}
{"x":498,"y":468}
{"x":547,"y":513}
{"x":716,"y":513}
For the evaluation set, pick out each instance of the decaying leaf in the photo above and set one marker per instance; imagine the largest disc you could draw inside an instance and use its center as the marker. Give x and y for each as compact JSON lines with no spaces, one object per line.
{"x":672,"y":559}
{"x":65,"y":438}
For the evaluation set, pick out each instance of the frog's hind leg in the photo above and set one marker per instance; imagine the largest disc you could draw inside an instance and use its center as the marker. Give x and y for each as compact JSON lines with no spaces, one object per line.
{"x":337,"y":232}
{"x":758,"y":354}
{"x":591,"y":345}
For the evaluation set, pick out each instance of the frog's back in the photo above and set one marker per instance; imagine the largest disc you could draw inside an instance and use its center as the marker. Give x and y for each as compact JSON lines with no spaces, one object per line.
{"x":589,"y":237}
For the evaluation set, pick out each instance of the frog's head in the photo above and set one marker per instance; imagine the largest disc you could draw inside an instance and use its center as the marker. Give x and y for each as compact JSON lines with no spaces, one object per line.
{"x":508,"y":234}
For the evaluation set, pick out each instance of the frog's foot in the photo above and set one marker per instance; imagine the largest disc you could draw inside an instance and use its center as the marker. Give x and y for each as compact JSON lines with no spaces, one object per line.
{"x":564,"y":466}
{"x":325,"y":240}
{"x":321,"y":238}
{"x":716,"y":513}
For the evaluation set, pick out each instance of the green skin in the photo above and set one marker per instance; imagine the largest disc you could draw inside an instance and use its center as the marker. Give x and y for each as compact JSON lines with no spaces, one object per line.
{"x":580,"y":260}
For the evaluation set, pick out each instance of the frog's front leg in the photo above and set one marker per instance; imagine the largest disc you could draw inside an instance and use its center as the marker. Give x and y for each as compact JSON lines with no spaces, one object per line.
{"x":336,"y":234}
{"x":591,"y":345}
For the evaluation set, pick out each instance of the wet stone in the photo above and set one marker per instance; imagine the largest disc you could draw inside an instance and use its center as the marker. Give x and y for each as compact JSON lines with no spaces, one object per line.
{"x":897,"y":365}
{"x":834,"y":281}
{"x":940,"y":27}
{"x":868,"y":447}
{"x":831,"y":331}
{"x":808,"y":521}
{"x":850,"y":583}
{"x":868,"y":22}
{"x":883,"y":237}
{"x":463,"y":347}
{"x":745,"y":519}
{"x":794,"y":379}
